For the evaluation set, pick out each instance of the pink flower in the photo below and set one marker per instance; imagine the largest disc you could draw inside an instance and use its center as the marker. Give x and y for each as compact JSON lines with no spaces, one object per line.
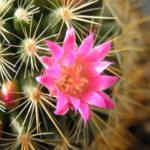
{"x":74,"y":75}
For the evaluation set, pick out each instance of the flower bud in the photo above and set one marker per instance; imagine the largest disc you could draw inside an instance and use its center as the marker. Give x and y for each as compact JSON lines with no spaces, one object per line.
{"x":8,"y":94}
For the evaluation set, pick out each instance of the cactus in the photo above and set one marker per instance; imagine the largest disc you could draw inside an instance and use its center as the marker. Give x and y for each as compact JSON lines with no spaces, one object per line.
{"x":51,"y":55}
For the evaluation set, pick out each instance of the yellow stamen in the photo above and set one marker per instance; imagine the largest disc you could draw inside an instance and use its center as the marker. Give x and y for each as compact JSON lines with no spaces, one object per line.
{"x":71,"y":81}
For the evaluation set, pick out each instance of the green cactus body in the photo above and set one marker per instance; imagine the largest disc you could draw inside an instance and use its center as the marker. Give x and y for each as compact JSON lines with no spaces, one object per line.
{"x":32,"y":124}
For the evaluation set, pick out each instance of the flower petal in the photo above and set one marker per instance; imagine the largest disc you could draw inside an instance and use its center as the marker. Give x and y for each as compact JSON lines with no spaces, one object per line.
{"x":47,"y":61}
{"x":98,"y":53}
{"x":54,"y":71}
{"x":69,"y":41}
{"x":85,"y":112}
{"x":103,"y":49}
{"x":55,"y":49}
{"x":75,"y":102}
{"x":53,"y":93}
{"x":68,"y":58}
{"x":86,"y":46}
{"x":100,"y":67}
{"x":107,"y":82}
{"x":61,"y":111}
{"x":102,"y":82}
{"x":108,"y":101}
{"x":93,"y":98}
{"x":95,"y":68}
{"x":62,"y":104}
{"x":46,"y":81}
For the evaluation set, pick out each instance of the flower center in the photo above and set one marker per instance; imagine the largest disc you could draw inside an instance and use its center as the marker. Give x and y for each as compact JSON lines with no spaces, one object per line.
{"x":71,"y":80}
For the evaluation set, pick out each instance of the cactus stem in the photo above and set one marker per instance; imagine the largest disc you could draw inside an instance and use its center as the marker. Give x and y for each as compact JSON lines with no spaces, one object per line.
{"x":36,"y":99}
